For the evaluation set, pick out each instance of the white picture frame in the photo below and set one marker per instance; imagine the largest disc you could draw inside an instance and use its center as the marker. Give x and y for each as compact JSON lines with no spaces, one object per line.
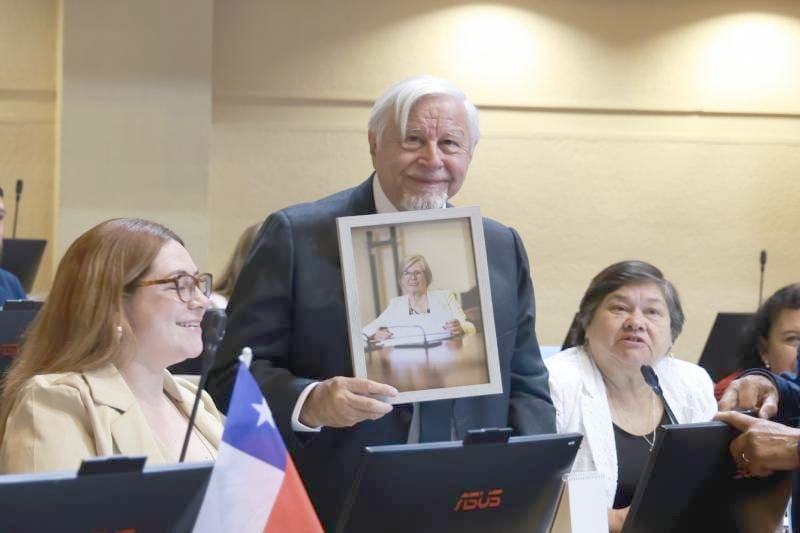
{"x":421,"y":359}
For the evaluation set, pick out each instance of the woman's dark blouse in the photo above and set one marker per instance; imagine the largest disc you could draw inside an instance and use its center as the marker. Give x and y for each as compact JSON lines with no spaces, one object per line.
{"x":632,"y":455}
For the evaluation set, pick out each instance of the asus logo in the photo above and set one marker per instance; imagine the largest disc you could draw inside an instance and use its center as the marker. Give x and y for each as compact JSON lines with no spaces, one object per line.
{"x":469,"y":501}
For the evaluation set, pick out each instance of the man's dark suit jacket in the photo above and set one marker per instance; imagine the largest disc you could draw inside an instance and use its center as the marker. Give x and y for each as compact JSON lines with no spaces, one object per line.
{"x":289,"y":307}
{"x":789,"y":413}
{"x":788,"y":385}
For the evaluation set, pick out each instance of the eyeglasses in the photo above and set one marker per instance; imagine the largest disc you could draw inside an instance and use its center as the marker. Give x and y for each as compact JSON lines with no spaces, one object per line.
{"x":185,"y":284}
{"x":414,"y":273}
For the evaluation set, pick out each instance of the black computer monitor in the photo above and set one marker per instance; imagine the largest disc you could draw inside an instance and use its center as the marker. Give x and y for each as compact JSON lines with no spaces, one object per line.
{"x":21,"y":257}
{"x":23,"y":305}
{"x":446,"y":487}
{"x":689,"y":486}
{"x":13,"y":324}
{"x":719,"y":356}
{"x":162,"y":498}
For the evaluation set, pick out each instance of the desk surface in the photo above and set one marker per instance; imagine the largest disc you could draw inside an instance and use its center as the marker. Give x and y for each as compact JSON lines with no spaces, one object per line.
{"x":453,"y":363}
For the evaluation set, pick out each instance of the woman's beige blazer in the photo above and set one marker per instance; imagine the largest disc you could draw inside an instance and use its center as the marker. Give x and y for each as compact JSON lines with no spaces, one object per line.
{"x":59,"y":419}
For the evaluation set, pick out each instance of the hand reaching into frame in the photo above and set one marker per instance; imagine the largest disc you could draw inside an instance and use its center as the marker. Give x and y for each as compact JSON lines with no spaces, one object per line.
{"x":764,"y":447}
{"x":752,"y":392}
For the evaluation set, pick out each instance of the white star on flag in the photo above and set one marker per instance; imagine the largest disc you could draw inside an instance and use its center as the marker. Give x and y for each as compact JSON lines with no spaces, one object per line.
{"x":254,"y":486}
{"x":264,"y":414}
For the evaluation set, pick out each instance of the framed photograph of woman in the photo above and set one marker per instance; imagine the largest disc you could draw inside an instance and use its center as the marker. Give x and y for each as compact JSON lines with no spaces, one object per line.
{"x":419,"y":305}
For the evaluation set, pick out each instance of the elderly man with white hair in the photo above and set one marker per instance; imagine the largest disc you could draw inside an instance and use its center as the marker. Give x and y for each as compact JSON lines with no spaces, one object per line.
{"x":289,"y":305}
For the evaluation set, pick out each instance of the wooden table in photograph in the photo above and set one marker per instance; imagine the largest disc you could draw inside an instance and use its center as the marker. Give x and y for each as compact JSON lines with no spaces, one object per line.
{"x":453,"y":363}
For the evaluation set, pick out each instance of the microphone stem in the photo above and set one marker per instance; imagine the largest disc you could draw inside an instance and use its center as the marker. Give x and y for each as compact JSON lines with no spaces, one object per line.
{"x":16,"y":214}
{"x":200,"y":386}
{"x":660,"y":393}
{"x":651,"y":379}
{"x":670,"y":415}
{"x":762,"y":261}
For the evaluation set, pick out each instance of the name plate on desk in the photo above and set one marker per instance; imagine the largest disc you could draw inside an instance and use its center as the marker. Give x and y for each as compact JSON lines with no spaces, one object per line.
{"x":582,"y":508}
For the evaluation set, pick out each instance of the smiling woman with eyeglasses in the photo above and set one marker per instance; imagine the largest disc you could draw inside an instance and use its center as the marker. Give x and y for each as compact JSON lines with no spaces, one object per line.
{"x":91,"y":378}
{"x":432,"y":310}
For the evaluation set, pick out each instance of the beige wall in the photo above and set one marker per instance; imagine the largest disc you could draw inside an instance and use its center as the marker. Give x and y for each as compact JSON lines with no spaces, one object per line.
{"x":27,"y":109}
{"x":615,"y":129}
{"x":135,"y":116}
{"x":667,"y":131}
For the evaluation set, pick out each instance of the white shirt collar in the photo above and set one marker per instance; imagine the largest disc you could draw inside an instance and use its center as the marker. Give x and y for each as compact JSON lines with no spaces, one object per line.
{"x":382,"y":202}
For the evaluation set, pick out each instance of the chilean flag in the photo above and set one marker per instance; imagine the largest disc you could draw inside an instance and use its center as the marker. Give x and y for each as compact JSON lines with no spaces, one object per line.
{"x":254,"y":485}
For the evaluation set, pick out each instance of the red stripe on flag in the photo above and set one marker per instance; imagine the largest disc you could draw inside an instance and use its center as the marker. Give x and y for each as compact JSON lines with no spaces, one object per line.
{"x":293,"y":511}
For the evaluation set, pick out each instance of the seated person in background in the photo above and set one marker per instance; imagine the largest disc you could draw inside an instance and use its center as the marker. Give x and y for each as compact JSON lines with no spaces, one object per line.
{"x":10,"y":287}
{"x":771,"y":338}
{"x":630,"y":316}
{"x":417,"y":300}
{"x":223,"y":287}
{"x":91,"y":377}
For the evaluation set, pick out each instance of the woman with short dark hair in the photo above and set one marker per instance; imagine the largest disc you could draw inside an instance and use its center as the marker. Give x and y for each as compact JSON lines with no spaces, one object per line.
{"x":771,"y":337}
{"x":629,"y":317}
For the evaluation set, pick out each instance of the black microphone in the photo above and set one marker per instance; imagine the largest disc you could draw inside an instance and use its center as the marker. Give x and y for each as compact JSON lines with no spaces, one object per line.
{"x":424,"y":344}
{"x":213,"y":327}
{"x":651,"y":379}
{"x":16,"y":208}
{"x":762,"y":259}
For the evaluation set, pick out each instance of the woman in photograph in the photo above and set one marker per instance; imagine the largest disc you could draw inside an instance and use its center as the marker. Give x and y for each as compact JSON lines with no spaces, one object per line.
{"x":418,"y":304}
{"x":629,"y":317}
{"x":91,"y":378}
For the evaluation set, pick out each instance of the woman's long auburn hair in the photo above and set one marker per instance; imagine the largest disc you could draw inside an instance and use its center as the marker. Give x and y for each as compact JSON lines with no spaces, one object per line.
{"x":77,"y":327}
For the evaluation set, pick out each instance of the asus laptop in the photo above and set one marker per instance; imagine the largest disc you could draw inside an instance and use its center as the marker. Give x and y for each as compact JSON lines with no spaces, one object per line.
{"x":512,"y":486}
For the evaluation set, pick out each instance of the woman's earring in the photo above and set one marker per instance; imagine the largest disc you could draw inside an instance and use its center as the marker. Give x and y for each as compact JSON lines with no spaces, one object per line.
{"x":766,"y":363}
{"x":118,"y":330}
